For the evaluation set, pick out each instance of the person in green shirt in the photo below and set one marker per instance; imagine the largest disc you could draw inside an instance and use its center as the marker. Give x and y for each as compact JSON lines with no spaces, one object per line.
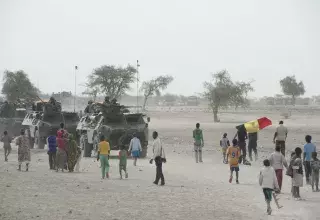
{"x":123,"y":161}
{"x":198,"y":143}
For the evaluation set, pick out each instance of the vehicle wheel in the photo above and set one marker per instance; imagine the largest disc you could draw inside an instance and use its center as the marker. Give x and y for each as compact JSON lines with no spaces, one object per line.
{"x":87,"y":149}
{"x":41,"y":143}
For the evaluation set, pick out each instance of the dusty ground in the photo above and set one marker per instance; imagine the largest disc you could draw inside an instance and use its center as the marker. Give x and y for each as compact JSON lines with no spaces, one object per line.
{"x":192,"y":191}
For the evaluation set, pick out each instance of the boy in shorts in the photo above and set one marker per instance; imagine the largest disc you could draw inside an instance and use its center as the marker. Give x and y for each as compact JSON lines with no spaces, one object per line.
{"x":224,"y":144}
{"x":268,"y":181}
{"x":233,"y":154}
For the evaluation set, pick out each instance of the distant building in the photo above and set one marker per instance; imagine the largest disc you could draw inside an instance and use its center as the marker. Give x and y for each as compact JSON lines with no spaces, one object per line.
{"x":193,"y":101}
{"x":61,"y":95}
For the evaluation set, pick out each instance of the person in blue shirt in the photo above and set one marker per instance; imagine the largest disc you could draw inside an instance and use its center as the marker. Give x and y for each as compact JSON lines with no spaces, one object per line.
{"x":308,"y":149}
{"x":135,"y":148}
{"x":52,"y":149}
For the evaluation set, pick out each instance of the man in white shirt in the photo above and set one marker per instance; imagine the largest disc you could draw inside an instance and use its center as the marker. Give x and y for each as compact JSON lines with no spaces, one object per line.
{"x":159,"y":157}
{"x":280,"y":137}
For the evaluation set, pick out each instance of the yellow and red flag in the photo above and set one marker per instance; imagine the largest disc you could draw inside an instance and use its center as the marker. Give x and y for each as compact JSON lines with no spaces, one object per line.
{"x":255,"y":125}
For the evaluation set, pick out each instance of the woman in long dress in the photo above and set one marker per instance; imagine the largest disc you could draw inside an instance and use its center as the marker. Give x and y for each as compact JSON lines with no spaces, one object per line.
{"x":73,"y":153}
{"x":61,"y":156}
{"x":23,"y":150}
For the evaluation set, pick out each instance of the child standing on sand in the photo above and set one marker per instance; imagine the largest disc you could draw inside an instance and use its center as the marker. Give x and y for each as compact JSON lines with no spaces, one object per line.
{"x":103,"y":156}
{"x":224,"y":144}
{"x":315,"y":167}
{"x":297,"y":177}
{"x":123,"y":161}
{"x":268,"y":181}
{"x":233,"y":152}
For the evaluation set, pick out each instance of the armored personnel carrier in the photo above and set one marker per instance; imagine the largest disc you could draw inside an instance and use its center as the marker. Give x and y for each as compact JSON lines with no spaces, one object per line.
{"x":45,"y":119}
{"x":11,"y":117}
{"x":117,"y":125}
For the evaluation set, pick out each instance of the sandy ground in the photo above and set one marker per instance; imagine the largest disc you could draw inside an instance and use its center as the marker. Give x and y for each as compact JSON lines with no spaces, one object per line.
{"x":192,"y":191}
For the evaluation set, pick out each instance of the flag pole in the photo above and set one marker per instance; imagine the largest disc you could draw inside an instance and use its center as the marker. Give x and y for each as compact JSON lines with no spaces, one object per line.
{"x":138,"y":65}
{"x":75,"y":88}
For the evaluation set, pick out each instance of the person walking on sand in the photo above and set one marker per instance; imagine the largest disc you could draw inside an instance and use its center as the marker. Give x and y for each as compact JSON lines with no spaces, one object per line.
{"x":23,"y":150}
{"x":315,"y":167}
{"x":79,"y":156}
{"x":103,"y":156}
{"x":6,"y":140}
{"x":198,"y":143}
{"x":159,"y":157}
{"x":242,"y":137}
{"x":252,"y":145}
{"x":308,"y":149}
{"x":233,"y":154}
{"x":135,"y":148}
{"x":73,"y":153}
{"x":297,"y":177}
{"x":224,"y":144}
{"x":61,"y":157}
{"x":52,"y":151}
{"x":123,"y":161}
{"x":268,"y":182}
{"x":277,"y":161}
{"x":280,"y":137}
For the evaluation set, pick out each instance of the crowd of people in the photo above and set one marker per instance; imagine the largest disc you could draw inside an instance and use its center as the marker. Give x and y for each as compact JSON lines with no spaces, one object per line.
{"x":271,"y":175}
{"x":63,"y":151}
{"x":135,"y":150}
{"x":65,"y":154}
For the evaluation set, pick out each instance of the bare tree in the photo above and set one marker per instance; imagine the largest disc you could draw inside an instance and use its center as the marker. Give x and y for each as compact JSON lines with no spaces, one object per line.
{"x":154,"y":87}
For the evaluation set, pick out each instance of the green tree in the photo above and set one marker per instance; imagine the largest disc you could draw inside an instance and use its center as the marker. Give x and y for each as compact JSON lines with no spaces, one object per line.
{"x":154,"y":87}
{"x":111,"y":81}
{"x":17,"y":85}
{"x":291,"y":87}
{"x":222,"y":92}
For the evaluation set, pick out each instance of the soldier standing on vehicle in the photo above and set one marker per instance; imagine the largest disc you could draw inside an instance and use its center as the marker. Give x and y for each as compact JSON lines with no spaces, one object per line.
{"x":88,"y":109}
{"x":107,"y":100}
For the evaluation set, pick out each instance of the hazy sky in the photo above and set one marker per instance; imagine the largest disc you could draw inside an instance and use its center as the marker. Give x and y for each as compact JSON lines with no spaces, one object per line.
{"x":188,"y":39}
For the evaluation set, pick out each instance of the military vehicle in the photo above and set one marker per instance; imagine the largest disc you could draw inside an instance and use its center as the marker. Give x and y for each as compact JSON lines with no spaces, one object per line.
{"x":117,"y":125}
{"x":45,"y":119}
{"x":11,"y":117}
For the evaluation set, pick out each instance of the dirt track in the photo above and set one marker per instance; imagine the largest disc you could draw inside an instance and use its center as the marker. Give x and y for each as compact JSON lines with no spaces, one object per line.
{"x":192,"y":191}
